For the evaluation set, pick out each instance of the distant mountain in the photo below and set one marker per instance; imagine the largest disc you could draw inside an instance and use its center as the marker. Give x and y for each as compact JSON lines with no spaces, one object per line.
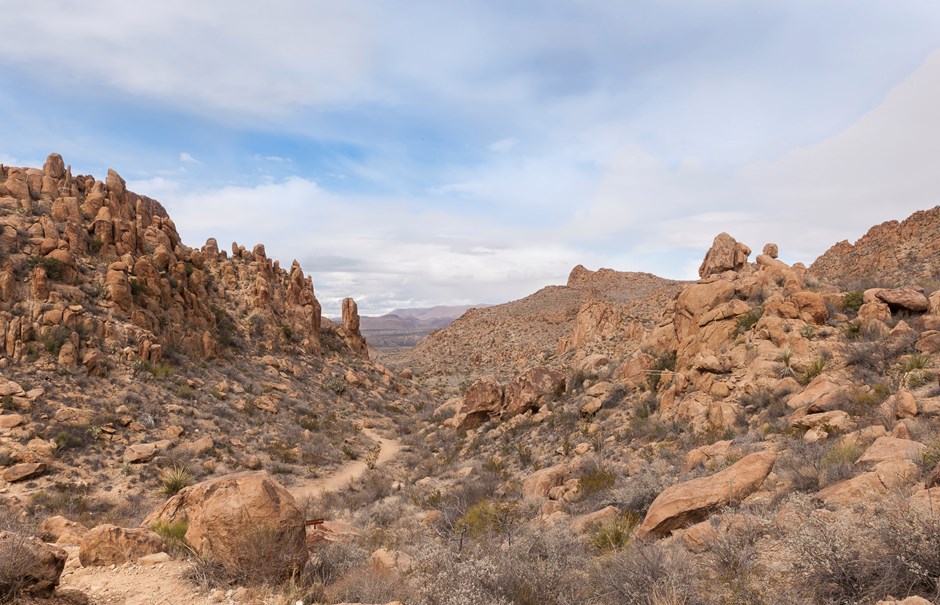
{"x":404,"y":328}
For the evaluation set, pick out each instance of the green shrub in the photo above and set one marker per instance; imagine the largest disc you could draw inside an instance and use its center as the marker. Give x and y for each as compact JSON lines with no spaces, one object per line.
{"x":488,"y":517}
{"x":615,"y":534}
{"x":54,"y":268}
{"x":666,"y":362}
{"x":95,"y":244}
{"x":814,"y":369}
{"x":175,"y":478}
{"x":595,"y":480}
{"x":747,"y":321}
{"x":186,"y":392}
{"x":53,"y":339}
{"x":173,"y":534}
{"x":853,"y":301}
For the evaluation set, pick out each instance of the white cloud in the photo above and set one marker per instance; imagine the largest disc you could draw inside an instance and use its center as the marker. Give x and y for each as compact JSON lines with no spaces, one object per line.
{"x":185,"y":158}
{"x":503,"y":145}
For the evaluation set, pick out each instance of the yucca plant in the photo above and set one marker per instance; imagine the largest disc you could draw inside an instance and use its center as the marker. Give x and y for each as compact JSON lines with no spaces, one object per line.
{"x":175,"y":478}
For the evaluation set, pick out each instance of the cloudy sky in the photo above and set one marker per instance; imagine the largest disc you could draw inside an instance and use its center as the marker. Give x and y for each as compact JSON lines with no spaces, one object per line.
{"x":427,"y":152}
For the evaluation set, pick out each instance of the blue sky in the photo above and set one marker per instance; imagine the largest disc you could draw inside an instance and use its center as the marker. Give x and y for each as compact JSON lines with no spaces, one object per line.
{"x":420,"y":153}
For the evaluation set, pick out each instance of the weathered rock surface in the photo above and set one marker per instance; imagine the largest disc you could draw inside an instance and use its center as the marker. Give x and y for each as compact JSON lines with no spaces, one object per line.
{"x":726,"y":254}
{"x":111,"y":545}
{"x":225,"y":514}
{"x":689,"y":502}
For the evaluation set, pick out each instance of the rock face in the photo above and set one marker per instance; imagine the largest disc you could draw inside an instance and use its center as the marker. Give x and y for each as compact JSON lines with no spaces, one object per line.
{"x":726,"y":254}
{"x":37,"y":565}
{"x":227,"y":514}
{"x":893,"y":252}
{"x":110,"y":545}
{"x":149,"y":288}
{"x":351,"y":333}
{"x":690,"y":502}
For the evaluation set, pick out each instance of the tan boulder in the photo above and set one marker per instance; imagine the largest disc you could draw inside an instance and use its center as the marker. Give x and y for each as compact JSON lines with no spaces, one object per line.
{"x":483,"y":399}
{"x":771,"y":250}
{"x":891,"y":448}
{"x":875,"y":310}
{"x":9,"y":421}
{"x":726,"y":254}
{"x":111,"y":545}
{"x":905,"y":404}
{"x":533,"y":389}
{"x":929,"y":343}
{"x":38,"y":565}
{"x":811,"y":306}
{"x":392,"y":560}
{"x":691,"y":501}
{"x":820,"y":395}
{"x":904,"y":299}
{"x":23,"y":471}
{"x":60,"y":530}
{"x":915,"y":600}
{"x":144,"y":452}
{"x":229,"y":516}
{"x":599,"y":517}
{"x":888,"y":476}
{"x":539,"y":483}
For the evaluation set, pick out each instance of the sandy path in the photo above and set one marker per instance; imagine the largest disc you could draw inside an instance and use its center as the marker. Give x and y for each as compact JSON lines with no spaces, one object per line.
{"x":349,"y":471}
{"x":165,"y":584}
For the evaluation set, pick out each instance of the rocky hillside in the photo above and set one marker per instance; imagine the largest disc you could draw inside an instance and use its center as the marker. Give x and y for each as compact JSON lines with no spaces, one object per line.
{"x":758,"y":436}
{"x":553,"y":323}
{"x":127,"y":355}
{"x":890,"y":254}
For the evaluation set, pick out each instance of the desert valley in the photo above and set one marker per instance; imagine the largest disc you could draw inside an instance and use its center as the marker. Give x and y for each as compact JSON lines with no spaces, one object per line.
{"x":181,"y":424}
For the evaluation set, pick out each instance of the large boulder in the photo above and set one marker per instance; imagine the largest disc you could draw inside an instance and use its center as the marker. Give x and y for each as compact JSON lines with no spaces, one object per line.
{"x":726,"y":254}
{"x":533,"y":389}
{"x":110,"y":545}
{"x":35,"y":566}
{"x":691,"y":501}
{"x":483,"y":399}
{"x":231,"y":518}
{"x":904,"y":299}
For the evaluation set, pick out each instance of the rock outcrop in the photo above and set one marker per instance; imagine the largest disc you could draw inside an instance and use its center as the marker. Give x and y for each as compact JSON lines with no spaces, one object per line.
{"x":110,"y":545}
{"x":726,"y":254}
{"x":35,"y":565}
{"x":351,"y":332}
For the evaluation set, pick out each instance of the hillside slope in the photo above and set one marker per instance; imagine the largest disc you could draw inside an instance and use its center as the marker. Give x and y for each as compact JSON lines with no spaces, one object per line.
{"x":890,"y":254}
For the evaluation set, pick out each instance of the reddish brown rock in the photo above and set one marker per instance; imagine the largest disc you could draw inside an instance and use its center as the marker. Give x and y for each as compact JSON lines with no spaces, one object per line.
{"x":533,"y":389}
{"x":37,"y":565}
{"x":483,"y":398}
{"x":726,"y":254}
{"x":691,"y":501}
{"x":226,"y":514}
{"x":905,"y":299}
{"x":23,"y":471}
{"x":110,"y":545}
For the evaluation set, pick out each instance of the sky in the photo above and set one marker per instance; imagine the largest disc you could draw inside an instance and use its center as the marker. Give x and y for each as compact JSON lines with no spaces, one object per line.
{"x":425,"y":152}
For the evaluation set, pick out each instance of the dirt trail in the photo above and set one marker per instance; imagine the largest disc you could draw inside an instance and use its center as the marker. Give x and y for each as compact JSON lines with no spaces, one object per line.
{"x":165,"y":584}
{"x":349,"y":471}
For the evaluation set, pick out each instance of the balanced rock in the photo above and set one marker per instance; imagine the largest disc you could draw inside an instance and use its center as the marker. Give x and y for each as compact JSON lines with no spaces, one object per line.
{"x":691,"y":501}
{"x":726,"y":254}
{"x":227,"y":518}
{"x":353,"y":335}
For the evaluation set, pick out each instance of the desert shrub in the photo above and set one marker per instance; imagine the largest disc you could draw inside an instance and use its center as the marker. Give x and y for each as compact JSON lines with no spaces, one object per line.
{"x":335,"y":385}
{"x":636,"y":492}
{"x":737,"y":574}
{"x":851,"y":558}
{"x":368,"y":584}
{"x":749,"y":319}
{"x":95,"y":244}
{"x":186,"y":392}
{"x":762,"y":399}
{"x":537,"y":569}
{"x":813,"y":369}
{"x":647,"y":573}
{"x":616,"y":533}
{"x":596,"y":479}
{"x":14,"y":563}
{"x":54,"y":338}
{"x":665,"y":362}
{"x":175,"y":478}
{"x":226,"y":332}
{"x":489,"y":517}
{"x":852,"y":302}
{"x":54,"y":268}
{"x":137,"y":286}
{"x":173,"y":534}
{"x":73,"y":436}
